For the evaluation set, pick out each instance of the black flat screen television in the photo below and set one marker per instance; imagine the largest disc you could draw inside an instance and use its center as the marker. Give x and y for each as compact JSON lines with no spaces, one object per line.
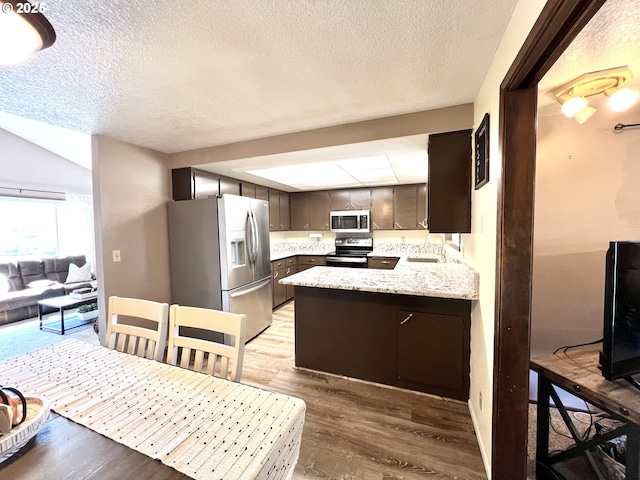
{"x":620,"y":355}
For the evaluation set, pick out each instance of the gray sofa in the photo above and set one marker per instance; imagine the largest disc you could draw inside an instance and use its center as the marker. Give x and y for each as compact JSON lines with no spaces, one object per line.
{"x":49,"y":274}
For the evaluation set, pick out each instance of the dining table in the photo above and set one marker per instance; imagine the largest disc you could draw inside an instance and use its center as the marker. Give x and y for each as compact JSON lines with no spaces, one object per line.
{"x":182,"y":423}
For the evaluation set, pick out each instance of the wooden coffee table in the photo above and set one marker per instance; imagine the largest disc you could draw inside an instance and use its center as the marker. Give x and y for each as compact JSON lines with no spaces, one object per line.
{"x":63,"y":303}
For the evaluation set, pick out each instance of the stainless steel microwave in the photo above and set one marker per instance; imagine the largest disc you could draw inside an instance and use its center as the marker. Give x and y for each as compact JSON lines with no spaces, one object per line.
{"x":350,"y":221}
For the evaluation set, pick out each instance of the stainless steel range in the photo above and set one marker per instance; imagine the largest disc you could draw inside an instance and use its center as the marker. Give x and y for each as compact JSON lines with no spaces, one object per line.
{"x":351,"y":251}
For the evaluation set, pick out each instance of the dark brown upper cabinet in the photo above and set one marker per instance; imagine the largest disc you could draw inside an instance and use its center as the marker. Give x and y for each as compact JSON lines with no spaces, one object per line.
{"x":382,"y":208}
{"x":279,"y":210}
{"x":449,"y":193}
{"x":405,"y":207}
{"x":190,"y":184}
{"x":351,"y":199}
{"x":310,"y":210}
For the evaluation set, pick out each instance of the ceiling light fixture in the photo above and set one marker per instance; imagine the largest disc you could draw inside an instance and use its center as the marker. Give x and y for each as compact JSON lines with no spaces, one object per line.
{"x":23,"y":31}
{"x":623,"y":99}
{"x":573,"y":95}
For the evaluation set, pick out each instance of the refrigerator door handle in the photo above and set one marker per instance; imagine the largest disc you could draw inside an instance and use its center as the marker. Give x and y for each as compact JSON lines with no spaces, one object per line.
{"x":252,"y":289}
{"x":256,"y":237}
{"x":249,"y":236}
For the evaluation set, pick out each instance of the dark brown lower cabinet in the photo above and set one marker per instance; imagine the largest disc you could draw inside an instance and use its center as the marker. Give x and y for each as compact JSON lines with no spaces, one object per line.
{"x":279,"y":290}
{"x":431,"y":349}
{"x":290,"y":270}
{"x":361,"y":335}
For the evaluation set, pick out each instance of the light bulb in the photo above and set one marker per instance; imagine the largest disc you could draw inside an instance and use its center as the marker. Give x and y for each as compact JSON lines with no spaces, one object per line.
{"x":572,"y":106}
{"x":623,"y":99}
{"x":18,"y":40}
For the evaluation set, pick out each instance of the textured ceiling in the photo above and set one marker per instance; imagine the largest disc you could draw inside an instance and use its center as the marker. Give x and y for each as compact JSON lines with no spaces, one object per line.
{"x":175,"y":76}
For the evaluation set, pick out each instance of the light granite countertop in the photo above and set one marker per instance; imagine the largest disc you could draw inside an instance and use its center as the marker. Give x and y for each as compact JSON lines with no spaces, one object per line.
{"x":442,"y":279}
{"x":290,"y":249}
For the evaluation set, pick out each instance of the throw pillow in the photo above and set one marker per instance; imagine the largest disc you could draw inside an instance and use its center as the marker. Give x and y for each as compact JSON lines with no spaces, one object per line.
{"x":41,"y":283}
{"x":79,"y":274}
{"x":4,"y":284}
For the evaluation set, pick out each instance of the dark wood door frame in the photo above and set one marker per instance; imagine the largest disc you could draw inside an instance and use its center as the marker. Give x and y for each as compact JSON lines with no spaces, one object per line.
{"x":557,"y":26}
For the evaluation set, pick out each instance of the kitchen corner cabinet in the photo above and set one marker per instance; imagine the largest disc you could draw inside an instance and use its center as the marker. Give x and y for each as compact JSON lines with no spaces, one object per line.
{"x":449,"y":194}
{"x":418,"y":343}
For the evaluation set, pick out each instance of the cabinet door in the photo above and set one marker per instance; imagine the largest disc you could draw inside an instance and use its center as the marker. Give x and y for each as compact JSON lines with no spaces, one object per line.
{"x":405,"y":207}
{"x":422,"y":207}
{"x":360,"y":198}
{"x":279,"y":290}
{"x":248,"y":189}
{"x":299,"y":210}
{"x":319,"y":207}
{"x":450,"y":166}
{"x":274,"y":210}
{"x":262,"y":193}
{"x":229,"y":185}
{"x":285,"y":211}
{"x":205,"y":185}
{"x":382,"y":208}
{"x":290,"y":270}
{"x":433,"y":349}
{"x":339,"y":199}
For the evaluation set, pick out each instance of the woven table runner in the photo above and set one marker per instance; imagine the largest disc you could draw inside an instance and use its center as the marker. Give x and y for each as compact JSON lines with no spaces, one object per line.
{"x":203,"y":426}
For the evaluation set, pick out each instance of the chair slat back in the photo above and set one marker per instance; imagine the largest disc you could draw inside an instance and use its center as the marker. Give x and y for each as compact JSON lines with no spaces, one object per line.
{"x":137,"y":340}
{"x":207,"y":356}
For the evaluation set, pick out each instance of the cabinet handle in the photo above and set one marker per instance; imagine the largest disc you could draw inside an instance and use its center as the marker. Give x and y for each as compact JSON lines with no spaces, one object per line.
{"x":385,"y":262}
{"x":275,"y":274}
{"x":406,"y":319}
{"x":312,"y":260}
{"x":398,"y":225}
{"x":306,"y":227}
{"x":288,"y":271}
{"x":281,"y":227}
{"x":375,"y":225}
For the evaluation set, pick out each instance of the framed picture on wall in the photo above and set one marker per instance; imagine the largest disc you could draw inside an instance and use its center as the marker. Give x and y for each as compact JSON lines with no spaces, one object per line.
{"x":481,"y":156}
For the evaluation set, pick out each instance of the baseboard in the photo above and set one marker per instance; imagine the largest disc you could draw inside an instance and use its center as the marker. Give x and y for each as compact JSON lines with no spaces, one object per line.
{"x":486,"y":456}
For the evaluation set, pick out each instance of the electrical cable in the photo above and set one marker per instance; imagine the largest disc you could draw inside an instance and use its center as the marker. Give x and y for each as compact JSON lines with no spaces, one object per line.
{"x":568,"y":347}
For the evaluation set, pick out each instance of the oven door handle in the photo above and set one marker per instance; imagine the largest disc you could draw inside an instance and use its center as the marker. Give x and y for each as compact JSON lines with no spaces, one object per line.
{"x":346,"y":260}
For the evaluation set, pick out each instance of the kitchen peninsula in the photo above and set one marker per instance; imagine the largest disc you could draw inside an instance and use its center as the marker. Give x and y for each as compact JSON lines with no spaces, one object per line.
{"x":408,"y":327}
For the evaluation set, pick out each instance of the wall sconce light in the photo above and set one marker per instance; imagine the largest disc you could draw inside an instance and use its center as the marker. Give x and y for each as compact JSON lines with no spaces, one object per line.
{"x":23,"y":31}
{"x":573,"y":95}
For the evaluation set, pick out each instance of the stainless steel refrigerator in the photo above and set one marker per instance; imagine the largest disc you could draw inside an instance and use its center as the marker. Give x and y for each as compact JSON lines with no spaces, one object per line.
{"x":219,"y":249}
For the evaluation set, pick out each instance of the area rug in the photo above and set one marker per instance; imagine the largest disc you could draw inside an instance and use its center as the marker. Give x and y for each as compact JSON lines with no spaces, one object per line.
{"x":24,"y":336}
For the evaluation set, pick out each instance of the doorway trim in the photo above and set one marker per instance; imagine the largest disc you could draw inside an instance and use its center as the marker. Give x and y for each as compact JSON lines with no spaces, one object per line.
{"x":559,"y":23}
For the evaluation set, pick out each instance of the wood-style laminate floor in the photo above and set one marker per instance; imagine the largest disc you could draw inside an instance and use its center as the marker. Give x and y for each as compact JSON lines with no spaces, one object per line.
{"x":356,"y":430}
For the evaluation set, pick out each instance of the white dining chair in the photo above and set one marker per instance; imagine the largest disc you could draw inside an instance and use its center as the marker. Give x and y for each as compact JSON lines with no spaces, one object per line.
{"x":144,"y":341}
{"x":212,"y":357}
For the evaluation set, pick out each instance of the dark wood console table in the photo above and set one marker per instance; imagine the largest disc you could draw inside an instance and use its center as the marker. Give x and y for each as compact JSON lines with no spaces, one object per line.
{"x":577,"y":372}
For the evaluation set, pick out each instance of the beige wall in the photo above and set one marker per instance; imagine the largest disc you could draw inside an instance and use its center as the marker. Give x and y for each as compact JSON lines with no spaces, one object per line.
{"x":479,"y":247}
{"x":432,"y":121}
{"x":132,"y":187}
{"x":26,"y":165}
{"x":586,"y":195}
